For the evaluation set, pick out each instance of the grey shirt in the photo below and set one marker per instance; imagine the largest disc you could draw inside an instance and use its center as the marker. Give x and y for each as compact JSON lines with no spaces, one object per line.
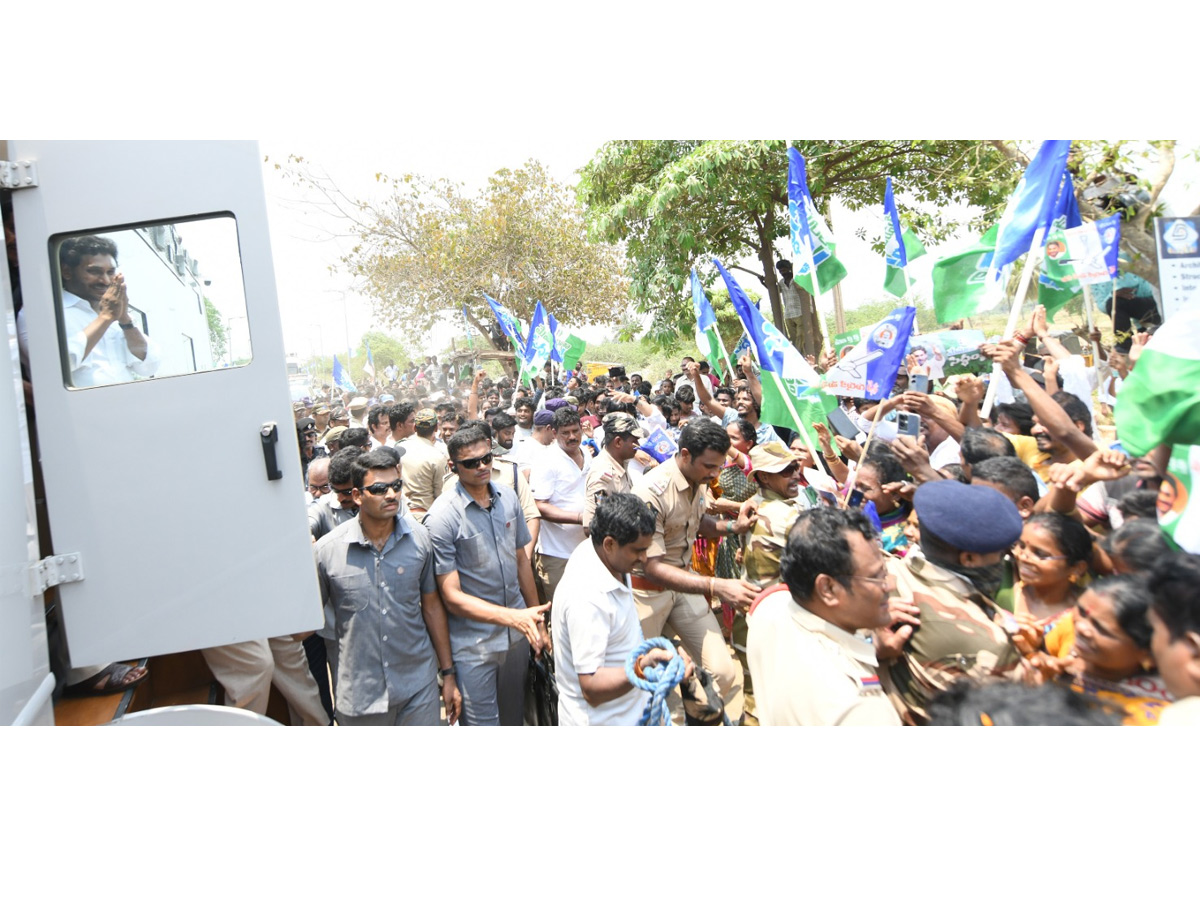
{"x":481,"y":545}
{"x":384,"y":651}
{"x":325,"y":515}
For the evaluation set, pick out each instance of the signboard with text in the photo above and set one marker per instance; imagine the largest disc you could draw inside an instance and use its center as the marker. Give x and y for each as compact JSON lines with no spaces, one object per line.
{"x":1178,"y":263}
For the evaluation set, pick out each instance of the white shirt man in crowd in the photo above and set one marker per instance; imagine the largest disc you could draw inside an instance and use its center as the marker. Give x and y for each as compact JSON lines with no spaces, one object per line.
{"x":558,"y":484}
{"x":595,"y":620}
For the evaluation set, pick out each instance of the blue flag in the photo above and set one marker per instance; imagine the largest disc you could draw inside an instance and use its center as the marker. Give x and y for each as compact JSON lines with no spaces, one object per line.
{"x":705,"y":317}
{"x":1110,"y":234}
{"x":660,"y":445}
{"x":539,"y":343}
{"x":802,"y":239}
{"x":743,"y":346}
{"x":340,"y":378}
{"x":369,"y":368}
{"x":508,"y":323}
{"x":768,"y":343}
{"x":1033,"y":202}
{"x":895,"y":253}
{"x":555,"y":353}
{"x":869,"y":370}
{"x":1066,"y":207}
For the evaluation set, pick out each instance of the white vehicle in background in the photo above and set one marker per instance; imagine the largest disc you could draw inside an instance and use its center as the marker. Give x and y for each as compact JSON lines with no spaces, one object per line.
{"x":156,"y":537}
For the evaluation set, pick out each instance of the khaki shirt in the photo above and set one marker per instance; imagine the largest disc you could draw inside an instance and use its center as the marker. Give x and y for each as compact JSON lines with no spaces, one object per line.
{"x":764,"y":547}
{"x":605,"y":477}
{"x":807,"y":671}
{"x":423,"y":468}
{"x":678,"y":508}
{"x":960,"y":636}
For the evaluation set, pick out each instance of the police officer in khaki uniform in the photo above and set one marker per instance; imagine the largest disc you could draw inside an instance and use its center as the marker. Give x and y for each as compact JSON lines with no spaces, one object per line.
{"x":424,"y":467}
{"x":777,"y":471}
{"x":668,"y":595}
{"x":810,"y":665}
{"x":951,"y":584}
{"x":608,"y":473}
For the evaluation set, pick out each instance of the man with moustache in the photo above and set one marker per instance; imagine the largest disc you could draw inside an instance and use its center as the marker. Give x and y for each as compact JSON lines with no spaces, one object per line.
{"x":376,"y":572}
{"x":558,"y":483}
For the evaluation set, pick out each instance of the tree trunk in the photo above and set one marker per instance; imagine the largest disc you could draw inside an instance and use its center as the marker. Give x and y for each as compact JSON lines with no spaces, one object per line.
{"x":810,"y":331}
{"x":766,"y":255}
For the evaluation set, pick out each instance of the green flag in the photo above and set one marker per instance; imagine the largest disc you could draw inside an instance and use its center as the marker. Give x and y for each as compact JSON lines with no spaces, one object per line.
{"x":896,"y":281}
{"x":811,"y":403}
{"x":1058,"y":281}
{"x":709,"y":344}
{"x":572,"y":349}
{"x":830,"y":271}
{"x":960,"y":281}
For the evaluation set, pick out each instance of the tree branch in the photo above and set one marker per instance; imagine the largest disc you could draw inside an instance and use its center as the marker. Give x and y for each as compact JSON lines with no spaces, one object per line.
{"x":1166,"y":165}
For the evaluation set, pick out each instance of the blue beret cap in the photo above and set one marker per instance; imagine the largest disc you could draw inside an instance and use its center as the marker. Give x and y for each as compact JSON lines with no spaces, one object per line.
{"x":970,"y":517}
{"x":543,"y":417}
{"x":556,"y":403}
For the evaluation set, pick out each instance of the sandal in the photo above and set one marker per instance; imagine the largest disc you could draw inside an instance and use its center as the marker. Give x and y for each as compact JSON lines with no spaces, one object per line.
{"x":115,"y":673}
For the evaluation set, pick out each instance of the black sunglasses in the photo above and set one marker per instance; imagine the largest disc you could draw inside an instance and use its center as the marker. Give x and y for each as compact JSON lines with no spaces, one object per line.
{"x":380,"y":489}
{"x":485,"y":460}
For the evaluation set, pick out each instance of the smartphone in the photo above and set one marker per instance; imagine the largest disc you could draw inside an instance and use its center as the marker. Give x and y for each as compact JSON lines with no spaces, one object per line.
{"x":1033,"y":361}
{"x":842,"y":423}
{"x":856,"y":498}
{"x":908,"y":424}
{"x":919,"y":383}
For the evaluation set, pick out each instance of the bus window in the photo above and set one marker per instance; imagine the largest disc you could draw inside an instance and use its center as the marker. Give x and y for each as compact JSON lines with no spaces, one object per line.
{"x":124,"y":295}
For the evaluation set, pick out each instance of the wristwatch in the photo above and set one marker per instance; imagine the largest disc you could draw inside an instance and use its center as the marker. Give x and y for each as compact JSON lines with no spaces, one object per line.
{"x":126,"y":327}
{"x":451,"y":670}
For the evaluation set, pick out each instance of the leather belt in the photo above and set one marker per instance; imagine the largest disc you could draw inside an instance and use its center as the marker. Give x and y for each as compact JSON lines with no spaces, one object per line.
{"x":641,"y":583}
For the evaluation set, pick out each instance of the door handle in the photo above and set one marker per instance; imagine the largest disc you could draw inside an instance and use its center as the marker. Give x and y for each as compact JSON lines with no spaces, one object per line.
{"x":270,"y":438}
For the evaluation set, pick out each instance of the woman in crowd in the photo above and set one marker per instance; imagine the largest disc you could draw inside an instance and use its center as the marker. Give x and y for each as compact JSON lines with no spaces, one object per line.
{"x":879,"y":478}
{"x":1110,"y":653}
{"x":1053,"y":558}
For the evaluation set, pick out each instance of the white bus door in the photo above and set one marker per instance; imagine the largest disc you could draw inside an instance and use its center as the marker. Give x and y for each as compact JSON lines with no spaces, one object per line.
{"x":173,"y":476}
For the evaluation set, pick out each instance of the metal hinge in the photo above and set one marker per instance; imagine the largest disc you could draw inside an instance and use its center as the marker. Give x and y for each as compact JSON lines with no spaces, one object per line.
{"x":19,"y":174}
{"x":57,"y":570}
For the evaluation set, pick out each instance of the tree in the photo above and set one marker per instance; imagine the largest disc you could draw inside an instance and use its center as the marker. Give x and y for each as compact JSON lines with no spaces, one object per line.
{"x":430,"y":248}
{"x":675,"y":203}
{"x":218,"y":339}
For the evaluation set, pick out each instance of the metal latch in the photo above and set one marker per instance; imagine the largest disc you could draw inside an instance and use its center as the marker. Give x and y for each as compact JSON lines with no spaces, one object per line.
{"x":19,"y":174}
{"x":57,"y":570}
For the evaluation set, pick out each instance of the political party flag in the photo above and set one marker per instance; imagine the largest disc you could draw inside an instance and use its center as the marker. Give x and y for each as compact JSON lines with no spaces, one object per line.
{"x":708,"y":340}
{"x":538,"y":345}
{"x":369,"y":365}
{"x":960,"y":280}
{"x":1178,"y":513}
{"x":340,"y":378}
{"x":869,"y":370}
{"x":1158,"y":402}
{"x":509,"y":324}
{"x":742,"y":346}
{"x":1094,"y":247}
{"x":572,"y":349}
{"x":812,"y":242}
{"x":900,"y":247}
{"x":1056,"y":281}
{"x":467,"y":325}
{"x":660,"y":445}
{"x":555,"y":352}
{"x":789,"y":397}
{"x":1032,"y":204}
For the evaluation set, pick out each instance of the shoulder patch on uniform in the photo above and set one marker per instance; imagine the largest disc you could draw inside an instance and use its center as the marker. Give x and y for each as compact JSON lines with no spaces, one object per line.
{"x":606,"y":476}
{"x":869,"y":684}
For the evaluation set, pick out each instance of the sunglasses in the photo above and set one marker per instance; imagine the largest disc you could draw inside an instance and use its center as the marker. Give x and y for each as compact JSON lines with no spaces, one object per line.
{"x":485,"y":460}
{"x":379,"y":490}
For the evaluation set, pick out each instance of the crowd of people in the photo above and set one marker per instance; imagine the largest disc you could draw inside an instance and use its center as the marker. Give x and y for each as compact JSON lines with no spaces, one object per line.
{"x":995,"y":570}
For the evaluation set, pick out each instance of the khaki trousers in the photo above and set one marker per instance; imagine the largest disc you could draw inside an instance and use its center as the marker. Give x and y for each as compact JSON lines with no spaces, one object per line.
{"x":689,"y":616}
{"x":248,"y":669}
{"x":549,"y":571}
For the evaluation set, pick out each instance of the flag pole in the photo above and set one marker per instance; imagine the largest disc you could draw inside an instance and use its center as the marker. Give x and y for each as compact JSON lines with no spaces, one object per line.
{"x":1089,"y":306}
{"x":787,"y":397}
{"x":1013,"y":316}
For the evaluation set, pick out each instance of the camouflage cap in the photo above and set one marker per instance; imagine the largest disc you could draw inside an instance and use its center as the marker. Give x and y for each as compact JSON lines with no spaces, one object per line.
{"x":618,"y":423}
{"x":321,"y":409}
{"x":771,"y":457}
{"x":335,"y":433}
{"x":425,"y":417}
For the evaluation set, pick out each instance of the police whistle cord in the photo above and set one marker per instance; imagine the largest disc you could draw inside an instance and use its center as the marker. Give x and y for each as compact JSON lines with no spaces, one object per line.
{"x":659,"y":680}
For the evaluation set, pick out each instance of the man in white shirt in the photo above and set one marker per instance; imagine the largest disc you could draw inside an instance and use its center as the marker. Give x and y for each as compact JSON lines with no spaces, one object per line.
{"x":595,"y":621}
{"x":558,"y":483}
{"x":94,"y":300}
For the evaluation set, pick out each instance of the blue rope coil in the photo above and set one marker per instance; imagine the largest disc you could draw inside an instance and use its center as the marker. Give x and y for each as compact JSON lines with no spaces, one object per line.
{"x":659,"y":680}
